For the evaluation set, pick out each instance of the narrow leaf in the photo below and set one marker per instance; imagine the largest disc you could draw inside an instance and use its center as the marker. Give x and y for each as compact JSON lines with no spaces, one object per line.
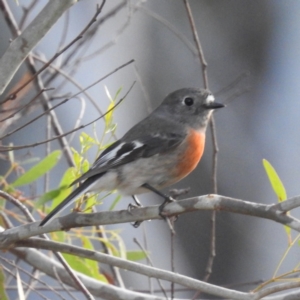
{"x":136,"y":255}
{"x":39,"y":169}
{"x":49,"y":196}
{"x":278,"y":188}
{"x":92,"y":264}
{"x":77,"y":263}
{"x":275,"y":181}
{"x":67,"y":179}
{"x":115,"y":202}
{"x":3,"y":295}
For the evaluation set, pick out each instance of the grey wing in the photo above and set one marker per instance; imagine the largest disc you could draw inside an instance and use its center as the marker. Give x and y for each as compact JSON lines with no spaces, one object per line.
{"x":122,"y":152}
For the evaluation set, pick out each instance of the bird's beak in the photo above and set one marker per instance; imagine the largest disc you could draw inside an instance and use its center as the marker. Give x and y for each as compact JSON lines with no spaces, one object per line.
{"x":213,"y":105}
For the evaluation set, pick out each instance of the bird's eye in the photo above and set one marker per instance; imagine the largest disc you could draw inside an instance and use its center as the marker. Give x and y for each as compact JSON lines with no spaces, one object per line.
{"x":188,"y":101}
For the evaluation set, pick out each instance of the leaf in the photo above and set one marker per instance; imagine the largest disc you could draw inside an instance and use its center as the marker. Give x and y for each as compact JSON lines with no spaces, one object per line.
{"x":275,"y":181}
{"x":92,"y":264}
{"x":77,"y":263}
{"x":3,"y":295}
{"x":77,"y":158}
{"x":86,"y":141}
{"x":89,"y":203}
{"x":136,"y":255}
{"x":83,"y":266}
{"x":85,"y":166}
{"x":121,"y":246}
{"x":39,"y":169}
{"x":49,"y":196}
{"x":67,"y":179}
{"x":115,"y":202}
{"x":278,"y":188}
{"x":108,"y":118}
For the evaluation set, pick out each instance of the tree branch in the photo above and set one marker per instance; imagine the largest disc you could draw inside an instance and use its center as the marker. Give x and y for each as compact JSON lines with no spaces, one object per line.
{"x":50,"y":267}
{"x":206,"y":202}
{"x":135,"y":267}
{"x":23,"y":44}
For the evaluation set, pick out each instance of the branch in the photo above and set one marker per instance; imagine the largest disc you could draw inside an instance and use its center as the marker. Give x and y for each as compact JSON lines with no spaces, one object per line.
{"x":135,"y":267}
{"x":155,"y":272}
{"x":50,"y":267}
{"x":68,"y":269}
{"x":206,"y":202}
{"x":22,"y":45}
{"x":10,"y":148}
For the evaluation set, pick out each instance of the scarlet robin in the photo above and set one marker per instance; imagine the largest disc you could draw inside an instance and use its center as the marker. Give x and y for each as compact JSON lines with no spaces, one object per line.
{"x":155,"y":153}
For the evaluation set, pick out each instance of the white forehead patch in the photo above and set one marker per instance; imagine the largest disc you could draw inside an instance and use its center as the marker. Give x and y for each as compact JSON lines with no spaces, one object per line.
{"x":210,"y":98}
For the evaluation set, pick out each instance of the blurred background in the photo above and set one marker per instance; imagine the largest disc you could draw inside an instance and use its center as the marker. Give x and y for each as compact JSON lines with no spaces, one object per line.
{"x":254,"y":41}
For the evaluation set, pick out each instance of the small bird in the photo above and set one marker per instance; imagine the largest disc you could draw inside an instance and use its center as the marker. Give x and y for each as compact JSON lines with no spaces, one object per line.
{"x":155,"y":153}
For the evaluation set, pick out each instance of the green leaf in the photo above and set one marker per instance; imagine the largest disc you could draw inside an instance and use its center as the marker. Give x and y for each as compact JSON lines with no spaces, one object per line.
{"x":111,"y":247}
{"x":85,"y":166}
{"x":108,"y":116}
{"x":83,"y":266}
{"x":92,"y":264}
{"x":77,"y":263}
{"x":86,"y":141}
{"x":59,"y":236}
{"x":275,"y":181}
{"x":67,"y":179}
{"x":49,"y":196}
{"x":115,"y":202}
{"x":136,"y":255}
{"x":3,"y":295}
{"x":278,"y":188}
{"x":39,"y":169}
{"x":77,"y":158}
{"x":89,"y":203}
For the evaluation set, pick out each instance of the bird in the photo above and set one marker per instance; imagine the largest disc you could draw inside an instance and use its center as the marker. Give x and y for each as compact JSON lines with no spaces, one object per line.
{"x":155,"y":153}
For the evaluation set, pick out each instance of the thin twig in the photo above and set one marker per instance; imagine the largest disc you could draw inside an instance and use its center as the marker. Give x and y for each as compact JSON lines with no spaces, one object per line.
{"x":26,"y":11}
{"x":9,"y":148}
{"x":9,"y":271}
{"x":151,"y":264}
{"x":203,"y":63}
{"x":71,"y":80}
{"x":21,"y":46}
{"x":61,"y":259}
{"x":232,"y":84}
{"x":31,"y":102}
{"x":92,"y":31}
{"x":79,"y":36}
{"x":172,"y":28}
{"x":136,"y":267}
{"x":44,"y":97}
{"x":66,"y":100}
{"x":29,"y":274}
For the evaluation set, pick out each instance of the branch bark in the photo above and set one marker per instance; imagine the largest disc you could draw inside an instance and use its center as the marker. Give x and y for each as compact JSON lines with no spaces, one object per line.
{"x":50,"y":267}
{"x":20,"y":47}
{"x":137,"y":268}
{"x":275,"y":212}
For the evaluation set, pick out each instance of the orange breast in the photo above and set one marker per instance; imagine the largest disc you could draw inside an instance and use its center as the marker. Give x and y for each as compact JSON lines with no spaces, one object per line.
{"x":191,"y":157}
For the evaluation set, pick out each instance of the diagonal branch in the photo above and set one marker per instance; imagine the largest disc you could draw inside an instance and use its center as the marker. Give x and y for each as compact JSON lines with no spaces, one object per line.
{"x":20,"y":47}
{"x":135,"y":267}
{"x":50,"y":267}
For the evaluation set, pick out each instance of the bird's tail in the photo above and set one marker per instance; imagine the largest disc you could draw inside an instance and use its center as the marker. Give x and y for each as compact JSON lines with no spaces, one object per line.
{"x":83,"y":188}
